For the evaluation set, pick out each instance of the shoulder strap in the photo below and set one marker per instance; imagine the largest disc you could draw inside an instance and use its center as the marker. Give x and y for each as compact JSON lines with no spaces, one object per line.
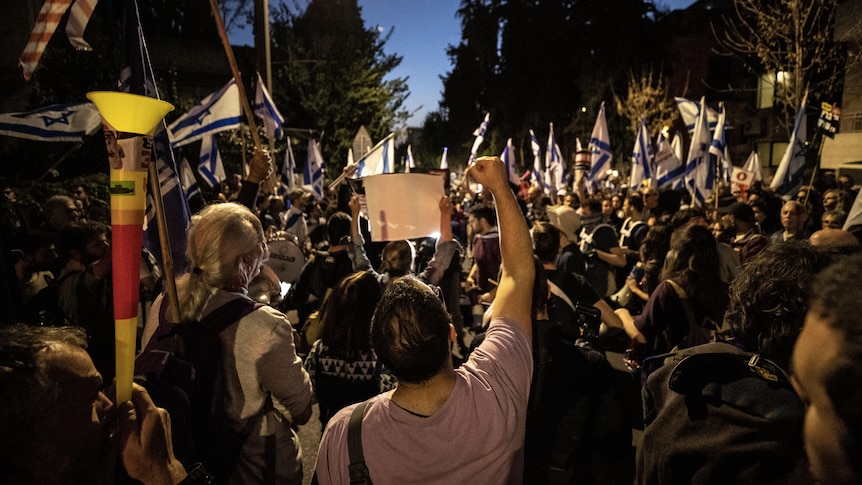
{"x":223,"y":316}
{"x":686,"y":306}
{"x":556,"y":290}
{"x":358,"y":471}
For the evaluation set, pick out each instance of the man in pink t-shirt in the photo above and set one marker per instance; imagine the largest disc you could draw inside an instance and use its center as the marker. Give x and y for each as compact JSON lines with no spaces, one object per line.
{"x":445,"y":425}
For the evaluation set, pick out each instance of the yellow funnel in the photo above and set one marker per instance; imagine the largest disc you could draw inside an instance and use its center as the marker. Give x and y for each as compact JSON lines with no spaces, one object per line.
{"x":130,"y":113}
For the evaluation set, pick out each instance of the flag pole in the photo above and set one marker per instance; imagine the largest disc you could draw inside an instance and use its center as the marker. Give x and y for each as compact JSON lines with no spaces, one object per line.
{"x":165,"y":245}
{"x":235,"y":70}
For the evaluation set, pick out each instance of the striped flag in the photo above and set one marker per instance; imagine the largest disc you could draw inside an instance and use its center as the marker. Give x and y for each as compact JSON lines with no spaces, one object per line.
{"x":479,"y":133}
{"x":210,"y":165}
{"x":49,"y":17}
{"x":788,"y":175}
{"x":690,"y":110}
{"x":189,"y":182}
{"x":60,"y":122}
{"x":669,"y":170}
{"x":312,"y":176}
{"x":554,"y":162}
{"x":379,"y":159}
{"x":508,"y":157}
{"x":642,"y":158}
{"x":600,"y":147}
{"x":538,"y":168}
{"x":217,"y":112}
{"x":718,"y":154}
{"x":79,"y":17}
{"x":136,"y":76}
{"x":265,"y":109}
{"x":288,"y":168}
{"x":699,"y":172}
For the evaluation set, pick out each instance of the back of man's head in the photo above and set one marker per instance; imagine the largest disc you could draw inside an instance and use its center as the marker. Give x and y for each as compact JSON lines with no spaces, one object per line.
{"x":410,"y":331}
{"x":546,"y":241}
{"x":769,"y":298}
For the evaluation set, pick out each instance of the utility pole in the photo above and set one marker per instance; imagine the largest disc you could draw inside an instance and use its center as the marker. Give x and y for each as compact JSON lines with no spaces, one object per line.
{"x":261,"y":41}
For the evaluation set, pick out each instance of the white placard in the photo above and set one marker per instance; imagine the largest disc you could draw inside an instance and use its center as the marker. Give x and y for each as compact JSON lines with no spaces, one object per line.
{"x":742,"y":178}
{"x":403,"y":205}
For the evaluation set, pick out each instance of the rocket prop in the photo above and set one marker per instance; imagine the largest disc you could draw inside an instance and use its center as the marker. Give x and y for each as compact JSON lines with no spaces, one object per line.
{"x":129,"y":121}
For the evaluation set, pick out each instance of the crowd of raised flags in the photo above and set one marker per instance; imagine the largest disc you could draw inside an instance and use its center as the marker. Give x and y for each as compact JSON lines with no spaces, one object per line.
{"x":662,"y":164}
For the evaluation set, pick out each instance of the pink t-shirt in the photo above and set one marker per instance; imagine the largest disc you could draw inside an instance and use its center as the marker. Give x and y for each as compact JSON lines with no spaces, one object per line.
{"x":476,"y":437}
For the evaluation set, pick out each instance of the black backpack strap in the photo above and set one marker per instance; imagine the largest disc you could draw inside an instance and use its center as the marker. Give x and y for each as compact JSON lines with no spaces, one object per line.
{"x":223,"y":316}
{"x":358,"y":471}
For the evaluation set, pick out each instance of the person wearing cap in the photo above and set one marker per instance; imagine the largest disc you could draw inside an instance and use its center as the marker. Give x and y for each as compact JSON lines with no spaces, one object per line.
{"x":567,"y":220}
{"x":748,"y":241}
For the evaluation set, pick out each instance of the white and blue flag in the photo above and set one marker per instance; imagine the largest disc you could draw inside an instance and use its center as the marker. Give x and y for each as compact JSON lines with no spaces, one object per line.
{"x":642,"y":158}
{"x":379,"y":159}
{"x":312,"y":176}
{"x":508,"y":157}
{"x":690,"y":110}
{"x":444,"y":162}
{"x":479,"y":133}
{"x":555,"y":164}
{"x":210,"y":165}
{"x":600,"y":148}
{"x":699,"y":171}
{"x":409,"y":163}
{"x":669,"y":169}
{"x":538,"y":169}
{"x":59,"y":122}
{"x":188,"y":180}
{"x":265,"y":109}
{"x":788,"y":175}
{"x":217,"y":112}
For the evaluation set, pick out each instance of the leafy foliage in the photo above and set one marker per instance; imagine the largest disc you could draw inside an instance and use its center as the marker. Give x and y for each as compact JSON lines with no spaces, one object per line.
{"x":330,"y":77}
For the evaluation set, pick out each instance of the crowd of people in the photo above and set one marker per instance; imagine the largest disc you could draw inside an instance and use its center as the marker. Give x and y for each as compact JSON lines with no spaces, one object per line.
{"x":736,"y":319}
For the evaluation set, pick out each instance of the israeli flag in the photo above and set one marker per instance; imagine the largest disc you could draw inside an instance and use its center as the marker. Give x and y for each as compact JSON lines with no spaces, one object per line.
{"x":788,"y":176}
{"x":554,"y":162}
{"x":379,"y":159}
{"x":508,"y":157}
{"x":700,"y":173}
{"x":210,"y":166}
{"x":669,"y":169}
{"x":444,"y":162}
{"x":600,"y":147}
{"x":265,"y":109}
{"x":409,"y":163}
{"x":538,"y":169}
{"x":188,"y":180}
{"x":312,"y":176}
{"x":690,"y":110}
{"x":479,"y":133}
{"x":642,"y":158}
{"x":59,"y":122}
{"x":217,"y":112}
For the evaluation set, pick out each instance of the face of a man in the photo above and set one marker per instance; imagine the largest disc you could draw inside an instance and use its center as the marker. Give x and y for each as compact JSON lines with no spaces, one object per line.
{"x":571,"y":201}
{"x":650,"y":197}
{"x":77,"y":422}
{"x":830,"y":201}
{"x":607,"y":207}
{"x":792,"y":216}
{"x":830,"y":221}
{"x":816,"y":351}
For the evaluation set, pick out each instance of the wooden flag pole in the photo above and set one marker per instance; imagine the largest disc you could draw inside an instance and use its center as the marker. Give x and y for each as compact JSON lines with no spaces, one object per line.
{"x":235,"y":70}
{"x":165,"y":245}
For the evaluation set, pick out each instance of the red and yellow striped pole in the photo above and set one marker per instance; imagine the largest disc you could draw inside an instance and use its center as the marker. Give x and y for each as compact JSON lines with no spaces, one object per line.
{"x":129,"y":121}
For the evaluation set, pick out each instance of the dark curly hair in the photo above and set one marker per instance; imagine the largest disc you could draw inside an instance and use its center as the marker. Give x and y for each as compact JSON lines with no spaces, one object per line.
{"x":410,"y":331}
{"x":769,"y":298}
